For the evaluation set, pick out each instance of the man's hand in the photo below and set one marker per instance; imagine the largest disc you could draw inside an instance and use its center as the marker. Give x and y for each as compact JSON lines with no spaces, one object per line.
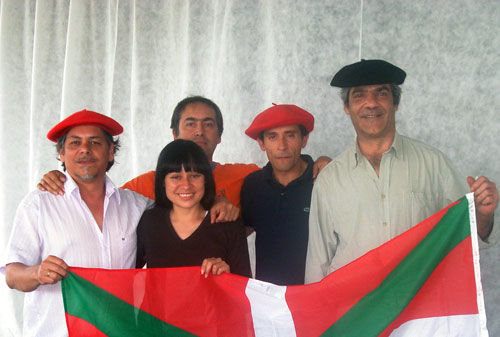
{"x":223,"y":210}
{"x":28,"y":278}
{"x":216,"y":265}
{"x":52,"y":270}
{"x":486,"y":201}
{"x":319,"y":164}
{"x":53,"y":182}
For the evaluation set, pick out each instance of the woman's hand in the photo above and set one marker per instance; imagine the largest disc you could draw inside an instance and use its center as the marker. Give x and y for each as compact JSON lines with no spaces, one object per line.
{"x":215,"y":265}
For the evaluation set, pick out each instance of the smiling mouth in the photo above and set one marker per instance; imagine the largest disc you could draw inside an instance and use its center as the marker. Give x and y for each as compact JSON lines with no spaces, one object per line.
{"x":371,"y":116}
{"x":185,"y":195}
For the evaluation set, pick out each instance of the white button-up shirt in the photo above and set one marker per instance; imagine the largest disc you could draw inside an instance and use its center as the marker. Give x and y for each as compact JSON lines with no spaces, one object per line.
{"x":63,"y":226}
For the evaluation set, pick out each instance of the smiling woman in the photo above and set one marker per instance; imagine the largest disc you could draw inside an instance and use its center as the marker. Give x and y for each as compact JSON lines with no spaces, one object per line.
{"x":177,"y":232}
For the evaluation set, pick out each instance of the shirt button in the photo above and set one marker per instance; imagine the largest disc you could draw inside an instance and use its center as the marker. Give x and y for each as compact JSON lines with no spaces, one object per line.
{"x":383,"y":196}
{"x":384,"y":224}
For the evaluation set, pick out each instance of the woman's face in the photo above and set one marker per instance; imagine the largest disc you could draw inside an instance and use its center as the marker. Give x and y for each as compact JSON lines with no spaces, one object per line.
{"x":185,"y":189}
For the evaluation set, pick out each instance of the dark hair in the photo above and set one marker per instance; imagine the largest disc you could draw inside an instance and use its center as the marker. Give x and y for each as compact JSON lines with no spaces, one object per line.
{"x":186,"y":154}
{"x":302,"y":128}
{"x":176,"y":115}
{"x":395,"y":90}
{"x":109,"y":140}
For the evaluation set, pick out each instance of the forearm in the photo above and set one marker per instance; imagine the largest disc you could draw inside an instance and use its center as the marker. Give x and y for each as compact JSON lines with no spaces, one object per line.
{"x":21,"y":277}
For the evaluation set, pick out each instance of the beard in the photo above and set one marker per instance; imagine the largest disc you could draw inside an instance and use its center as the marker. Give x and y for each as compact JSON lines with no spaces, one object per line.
{"x":86,"y":176}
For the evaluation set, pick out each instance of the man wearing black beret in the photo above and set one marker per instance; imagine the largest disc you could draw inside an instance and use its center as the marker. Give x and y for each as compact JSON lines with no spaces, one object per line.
{"x":386,"y":182}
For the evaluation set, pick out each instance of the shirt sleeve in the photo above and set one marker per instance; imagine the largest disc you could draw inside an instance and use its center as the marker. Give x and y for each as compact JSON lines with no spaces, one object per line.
{"x":244,"y":204}
{"x":238,"y":258}
{"x":140,"y":260}
{"x":323,"y":240}
{"x":143,"y":184}
{"x":24,"y":245}
{"x":456,"y":187}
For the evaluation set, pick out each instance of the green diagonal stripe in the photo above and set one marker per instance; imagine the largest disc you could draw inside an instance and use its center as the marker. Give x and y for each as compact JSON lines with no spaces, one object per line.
{"x":374,"y":312}
{"x":109,"y":314}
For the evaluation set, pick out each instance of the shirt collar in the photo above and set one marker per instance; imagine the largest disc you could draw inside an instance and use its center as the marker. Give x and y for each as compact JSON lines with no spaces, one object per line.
{"x":72,"y":188}
{"x":396,"y":148}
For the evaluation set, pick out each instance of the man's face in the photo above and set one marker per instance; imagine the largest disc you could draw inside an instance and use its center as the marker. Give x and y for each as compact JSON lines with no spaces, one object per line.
{"x":283,"y":146}
{"x":198,"y":123}
{"x":372,"y":111}
{"x":86,"y":153}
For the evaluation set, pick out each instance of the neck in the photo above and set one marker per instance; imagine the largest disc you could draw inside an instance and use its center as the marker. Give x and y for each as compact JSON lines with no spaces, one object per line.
{"x":286,"y":177}
{"x":92,"y":193}
{"x":194,"y":213}
{"x":91,"y":187}
{"x":186,"y":220}
{"x":374,"y":148}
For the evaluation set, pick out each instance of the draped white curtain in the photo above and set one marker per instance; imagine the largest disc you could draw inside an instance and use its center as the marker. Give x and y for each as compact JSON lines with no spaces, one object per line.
{"x":134,"y":60}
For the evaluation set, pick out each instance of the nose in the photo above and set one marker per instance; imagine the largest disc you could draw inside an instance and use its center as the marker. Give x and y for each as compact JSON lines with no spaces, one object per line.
{"x":185,"y":180}
{"x":84,"y":147}
{"x":199,"y":129}
{"x":371,"y":99}
{"x":282,"y":143}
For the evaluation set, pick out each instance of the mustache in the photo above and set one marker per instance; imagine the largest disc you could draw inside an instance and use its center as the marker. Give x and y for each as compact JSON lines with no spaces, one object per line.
{"x":86,"y":159}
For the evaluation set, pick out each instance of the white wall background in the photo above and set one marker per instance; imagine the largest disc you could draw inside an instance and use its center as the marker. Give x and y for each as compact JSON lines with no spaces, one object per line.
{"x":134,"y":60}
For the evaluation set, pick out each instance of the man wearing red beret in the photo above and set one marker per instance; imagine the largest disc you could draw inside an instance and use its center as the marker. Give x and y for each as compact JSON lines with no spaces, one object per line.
{"x":198,"y":119}
{"x":275,"y":200}
{"x":92,"y":225}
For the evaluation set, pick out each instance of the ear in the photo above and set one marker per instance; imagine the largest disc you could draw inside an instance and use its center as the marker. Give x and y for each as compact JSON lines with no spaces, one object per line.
{"x":173,"y":134}
{"x":111,"y":153}
{"x":304,"y":141}
{"x":261,"y":144}
{"x":346,"y":109}
{"x":61,"y":154}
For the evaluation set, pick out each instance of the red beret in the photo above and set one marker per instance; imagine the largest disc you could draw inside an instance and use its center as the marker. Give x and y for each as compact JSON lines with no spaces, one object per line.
{"x":280,"y":115}
{"x":85,"y":117}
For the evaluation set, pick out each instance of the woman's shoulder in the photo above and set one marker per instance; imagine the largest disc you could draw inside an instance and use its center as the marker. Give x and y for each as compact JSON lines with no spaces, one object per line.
{"x":228,"y":226}
{"x":152,"y":215}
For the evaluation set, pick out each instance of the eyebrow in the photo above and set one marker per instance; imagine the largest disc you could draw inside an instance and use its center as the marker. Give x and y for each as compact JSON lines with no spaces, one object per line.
{"x":191,"y":119}
{"x":382,"y":87}
{"x":355,"y":90}
{"x":91,"y":137}
{"x":287,"y":132}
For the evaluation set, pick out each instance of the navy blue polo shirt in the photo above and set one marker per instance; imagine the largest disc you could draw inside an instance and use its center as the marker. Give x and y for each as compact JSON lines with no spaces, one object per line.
{"x":280,"y":217}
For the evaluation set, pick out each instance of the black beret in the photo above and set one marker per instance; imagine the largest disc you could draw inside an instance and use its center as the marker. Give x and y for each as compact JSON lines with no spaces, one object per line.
{"x":366,"y":72}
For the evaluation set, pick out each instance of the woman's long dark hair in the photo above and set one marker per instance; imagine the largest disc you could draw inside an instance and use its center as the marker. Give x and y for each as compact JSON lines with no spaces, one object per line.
{"x":188,"y":155}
